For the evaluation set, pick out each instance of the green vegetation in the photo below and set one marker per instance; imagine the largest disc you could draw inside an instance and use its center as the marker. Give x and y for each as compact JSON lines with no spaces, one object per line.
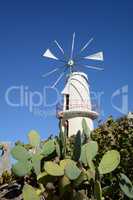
{"x":118,"y":135}
{"x":87,"y":166}
{"x":63,"y":167}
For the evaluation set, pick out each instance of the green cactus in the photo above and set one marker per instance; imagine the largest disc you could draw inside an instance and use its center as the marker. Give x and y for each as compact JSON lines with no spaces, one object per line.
{"x":90,"y":174}
{"x":109,"y":162}
{"x":82,"y":177}
{"x":64,"y":144}
{"x":91,"y":152}
{"x":20,"y":153}
{"x":62,"y":168}
{"x":83,"y":155}
{"x":53,"y":169}
{"x":44,"y":178}
{"x":63,"y":139}
{"x":72,"y":171}
{"x":64,"y":184}
{"x":65,"y":162}
{"x":86,"y":130}
{"x":88,"y":153}
{"x":77,"y":147}
{"x":97,"y":190}
{"x":21,"y":168}
{"x":57,"y":147}
{"x":34,"y":138}
{"x":29,"y":193}
{"x":42,"y":175}
{"x":126,"y":185}
{"x":36,"y":163}
{"x":48,"y":148}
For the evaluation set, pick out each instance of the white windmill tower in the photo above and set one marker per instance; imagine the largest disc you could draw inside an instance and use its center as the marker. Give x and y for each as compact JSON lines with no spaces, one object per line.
{"x":76,"y":93}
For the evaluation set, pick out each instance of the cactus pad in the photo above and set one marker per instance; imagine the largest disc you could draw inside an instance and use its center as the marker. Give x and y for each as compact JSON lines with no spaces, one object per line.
{"x":53,"y":169}
{"x":48,"y":148}
{"x":86,"y":130}
{"x":72,"y":171}
{"x":21,"y":168}
{"x":20,"y":153}
{"x":126,"y":185}
{"x":65,"y":162}
{"x":109,"y":162}
{"x":29,"y":193}
{"x":34,"y":138}
{"x":77,"y":147}
{"x":88,"y":153}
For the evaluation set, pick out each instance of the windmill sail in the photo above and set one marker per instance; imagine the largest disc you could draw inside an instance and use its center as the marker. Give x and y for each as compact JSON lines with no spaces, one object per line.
{"x":58,"y":45}
{"x":56,"y":82}
{"x":51,"y":72}
{"x":72,"y":62}
{"x":93,"y":67}
{"x":72,"y":49}
{"x":96,"y":56}
{"x":86,"y":45}
{"x":49,"y":54}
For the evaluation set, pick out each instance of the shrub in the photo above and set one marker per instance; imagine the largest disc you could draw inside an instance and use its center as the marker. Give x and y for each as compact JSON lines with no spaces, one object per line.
{"x":118,"y":135}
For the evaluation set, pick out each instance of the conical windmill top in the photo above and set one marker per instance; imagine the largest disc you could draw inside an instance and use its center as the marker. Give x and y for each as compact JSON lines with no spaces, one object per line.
{"x":77,"y":102}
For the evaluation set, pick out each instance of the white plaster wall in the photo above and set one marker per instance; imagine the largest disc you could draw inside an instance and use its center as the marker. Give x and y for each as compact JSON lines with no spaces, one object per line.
{"x":78,"y":89}
{"x":75,"y":125}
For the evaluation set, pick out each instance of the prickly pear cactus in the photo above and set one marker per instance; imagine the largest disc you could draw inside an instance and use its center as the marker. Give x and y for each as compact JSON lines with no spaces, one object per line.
{"x":72,"y":171}
{"x":61,"y":167}
{"x":77,"y":147}
{"x":88,"y":153}
{"x":48,"y":148}
{"x":126,"y":185}
{"x":65,"y":162}
{"x":53,"y":169}
{"x":109,"y":162}
{"x":34,"y":138}
{"x":36,"y":163}
{"x":21,"y":168}
{"x":91,"y":150}
{"x":86,"y":130}
{"x":29,"y":193}
{"x":64,"y":184}
{"x":20,"y":153}
{"x":62,"y":140}
{"x":97,"y":190}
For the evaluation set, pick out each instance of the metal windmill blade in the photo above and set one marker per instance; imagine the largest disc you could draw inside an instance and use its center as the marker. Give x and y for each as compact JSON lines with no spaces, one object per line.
{"x":93,"y":67}
{"x":71,"y":63}
{"x":86,"y":45}
{"x":49,"y":54}
{"x":96,"y":56}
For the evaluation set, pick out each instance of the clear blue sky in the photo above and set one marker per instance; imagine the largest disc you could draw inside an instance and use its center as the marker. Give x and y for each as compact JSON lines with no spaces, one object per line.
{"x":27,"y":28}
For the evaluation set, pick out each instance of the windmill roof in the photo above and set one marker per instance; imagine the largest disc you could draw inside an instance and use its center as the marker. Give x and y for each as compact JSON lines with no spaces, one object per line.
{"x":66,"y":89}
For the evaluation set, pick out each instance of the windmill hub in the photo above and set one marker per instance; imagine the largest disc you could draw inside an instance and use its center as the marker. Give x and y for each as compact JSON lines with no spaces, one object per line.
{"x":71,"y":63}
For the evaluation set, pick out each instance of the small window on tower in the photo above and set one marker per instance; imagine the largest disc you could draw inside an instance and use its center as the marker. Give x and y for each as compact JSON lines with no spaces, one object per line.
{"x":67,"y":102}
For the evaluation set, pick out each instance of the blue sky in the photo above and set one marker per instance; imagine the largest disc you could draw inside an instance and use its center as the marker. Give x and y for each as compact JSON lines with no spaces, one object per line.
{"x":28,"y":28}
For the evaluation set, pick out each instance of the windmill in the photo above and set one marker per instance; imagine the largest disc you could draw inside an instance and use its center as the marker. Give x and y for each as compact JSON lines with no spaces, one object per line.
{"x":76,"y":93}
